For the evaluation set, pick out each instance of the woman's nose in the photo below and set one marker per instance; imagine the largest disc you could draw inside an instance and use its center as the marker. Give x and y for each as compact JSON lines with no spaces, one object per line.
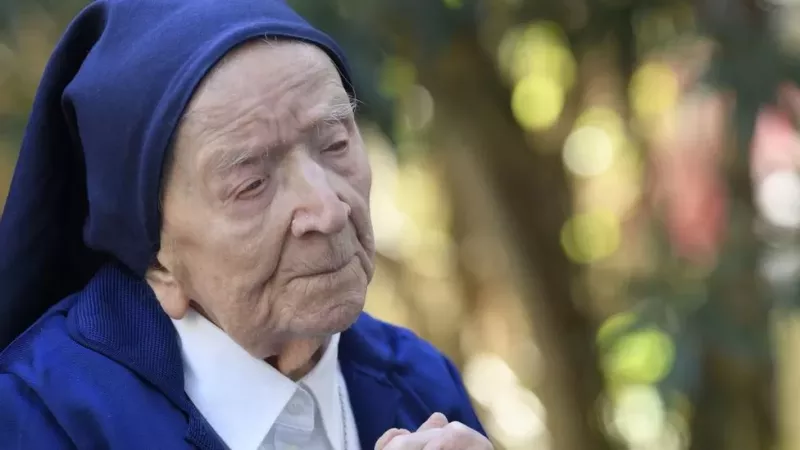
{"x":319,"y":208}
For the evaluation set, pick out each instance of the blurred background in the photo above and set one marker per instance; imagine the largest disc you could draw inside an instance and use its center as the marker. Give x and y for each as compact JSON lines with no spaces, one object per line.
{"x":592,"y":206}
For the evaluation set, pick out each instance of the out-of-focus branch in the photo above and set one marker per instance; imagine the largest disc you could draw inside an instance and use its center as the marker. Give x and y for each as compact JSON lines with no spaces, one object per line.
{"x":734,"y":407}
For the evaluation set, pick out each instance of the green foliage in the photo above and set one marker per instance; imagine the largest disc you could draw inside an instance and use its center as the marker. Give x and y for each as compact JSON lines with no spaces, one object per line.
{"x":366,"y":55}
{"x":365,"y":29}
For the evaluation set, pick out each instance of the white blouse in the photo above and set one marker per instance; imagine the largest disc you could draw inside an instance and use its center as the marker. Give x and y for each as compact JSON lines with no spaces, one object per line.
{"x":252,"y":406}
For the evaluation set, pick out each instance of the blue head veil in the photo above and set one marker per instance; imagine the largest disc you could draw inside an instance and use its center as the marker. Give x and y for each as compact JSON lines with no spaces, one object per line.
{"x":86,"y":186}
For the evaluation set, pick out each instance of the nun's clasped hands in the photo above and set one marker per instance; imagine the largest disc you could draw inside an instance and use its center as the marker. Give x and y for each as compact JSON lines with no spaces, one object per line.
{"x":437,"y":433}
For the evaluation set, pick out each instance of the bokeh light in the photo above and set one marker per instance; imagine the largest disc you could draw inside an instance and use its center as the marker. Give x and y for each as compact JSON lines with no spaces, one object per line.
{"x":653,"y":90}
{"x":539,"y":48}
{"x":591,"y":236}
{"x":541,"y":69}
{"x":518,"y":416}
{"x":537,"y":102}
{"x":778,"y":198}
{"x":588,"y":151}
{"x":641,"y":356}
{"x":639,"y":415}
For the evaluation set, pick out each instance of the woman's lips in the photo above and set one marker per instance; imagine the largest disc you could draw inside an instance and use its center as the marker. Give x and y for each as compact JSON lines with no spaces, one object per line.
{"x":330,"y":270}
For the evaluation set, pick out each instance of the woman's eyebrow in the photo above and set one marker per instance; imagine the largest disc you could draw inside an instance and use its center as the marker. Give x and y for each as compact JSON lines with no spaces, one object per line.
{"x":223,"y":162}
{"x":339,"y":109}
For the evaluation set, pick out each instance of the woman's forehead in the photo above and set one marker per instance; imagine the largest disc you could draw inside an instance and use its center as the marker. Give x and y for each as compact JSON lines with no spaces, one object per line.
{"x":264,"y":71}
{"x":262,"y":92}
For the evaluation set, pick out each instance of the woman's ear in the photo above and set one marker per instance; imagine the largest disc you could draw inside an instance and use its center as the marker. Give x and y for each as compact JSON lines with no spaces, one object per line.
{"x":168,"y":291}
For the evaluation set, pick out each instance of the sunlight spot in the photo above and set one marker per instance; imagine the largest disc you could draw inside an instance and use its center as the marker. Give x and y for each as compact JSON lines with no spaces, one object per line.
{"x":537,"y":102}
{"x":778,"y":198}
{"x":418,"y":108}
{"x":654,"y":90}
{"x":588,"y":151}
{"x":484,"y":374}
{"x":639,"y":415}
{"x":641,"y":356}
{"x":537,"y":49}
{"x":590,"y":237}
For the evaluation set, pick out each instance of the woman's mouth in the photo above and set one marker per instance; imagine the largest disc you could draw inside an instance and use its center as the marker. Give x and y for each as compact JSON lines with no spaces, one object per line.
{"x":327,"y":270}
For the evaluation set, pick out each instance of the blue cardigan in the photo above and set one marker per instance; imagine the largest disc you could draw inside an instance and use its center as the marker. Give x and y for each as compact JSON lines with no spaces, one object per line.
{"x":103,"y":370}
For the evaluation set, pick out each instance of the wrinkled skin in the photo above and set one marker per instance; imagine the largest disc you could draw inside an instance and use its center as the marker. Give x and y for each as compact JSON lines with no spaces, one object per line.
{"x":266,"y":228}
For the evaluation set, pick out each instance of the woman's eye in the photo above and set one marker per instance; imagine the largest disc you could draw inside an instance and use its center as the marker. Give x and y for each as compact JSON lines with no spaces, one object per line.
{"x":336,"y":147}
{"x":252,"y":186}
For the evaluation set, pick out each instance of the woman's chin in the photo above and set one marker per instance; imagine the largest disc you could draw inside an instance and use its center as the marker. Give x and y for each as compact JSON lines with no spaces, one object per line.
{"x":340,"y":315}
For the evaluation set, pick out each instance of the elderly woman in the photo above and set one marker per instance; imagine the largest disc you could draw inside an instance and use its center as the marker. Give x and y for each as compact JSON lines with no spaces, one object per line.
{"x":187,"y":245}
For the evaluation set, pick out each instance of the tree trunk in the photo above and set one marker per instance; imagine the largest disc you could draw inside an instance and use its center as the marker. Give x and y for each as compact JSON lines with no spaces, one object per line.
{"x":534,"y":198}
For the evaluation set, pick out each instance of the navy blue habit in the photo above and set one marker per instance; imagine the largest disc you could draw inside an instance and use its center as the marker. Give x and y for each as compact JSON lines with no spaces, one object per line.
{"x":89,"y":359}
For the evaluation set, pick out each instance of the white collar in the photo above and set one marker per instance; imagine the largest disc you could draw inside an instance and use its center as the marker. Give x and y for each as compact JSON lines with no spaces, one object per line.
{"x":241,"y":396}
